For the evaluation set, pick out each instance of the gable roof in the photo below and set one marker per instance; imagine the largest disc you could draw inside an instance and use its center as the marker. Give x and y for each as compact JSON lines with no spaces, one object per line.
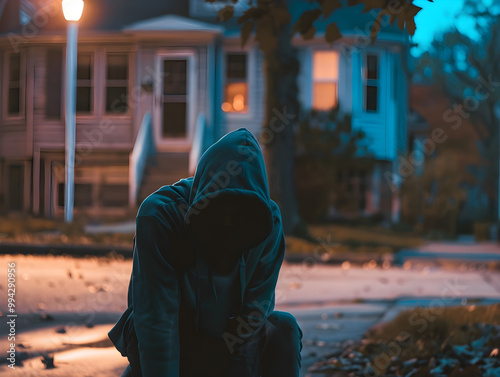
{"x":172,"y":23}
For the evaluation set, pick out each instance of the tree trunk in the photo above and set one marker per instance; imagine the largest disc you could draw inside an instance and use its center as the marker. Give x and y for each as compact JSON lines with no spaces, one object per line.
{"x":281,"y":69}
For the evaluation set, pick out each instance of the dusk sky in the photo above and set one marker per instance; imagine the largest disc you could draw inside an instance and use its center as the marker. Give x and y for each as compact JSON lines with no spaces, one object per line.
{"x":438,"y":17}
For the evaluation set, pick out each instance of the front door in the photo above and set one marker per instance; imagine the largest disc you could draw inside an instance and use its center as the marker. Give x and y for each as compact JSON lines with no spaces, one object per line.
{"x":174,"y":100}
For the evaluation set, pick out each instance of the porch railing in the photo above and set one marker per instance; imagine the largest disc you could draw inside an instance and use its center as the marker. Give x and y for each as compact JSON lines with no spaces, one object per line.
{"x":144,"y":149}
{"x":200,"y":143}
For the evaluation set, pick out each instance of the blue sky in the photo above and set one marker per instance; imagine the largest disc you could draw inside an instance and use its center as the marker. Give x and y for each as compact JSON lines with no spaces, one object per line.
{"x":438,"y":17}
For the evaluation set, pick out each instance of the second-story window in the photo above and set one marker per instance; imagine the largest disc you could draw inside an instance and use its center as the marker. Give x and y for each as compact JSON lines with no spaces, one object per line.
{"x":325,"y":80}
{"x":84,"y":83}
{"x":371,"y":82}
{"x":236,"y":91}
{"x":116,"y":83}
{"x":14,"y":85}
{"x":53,"y":82}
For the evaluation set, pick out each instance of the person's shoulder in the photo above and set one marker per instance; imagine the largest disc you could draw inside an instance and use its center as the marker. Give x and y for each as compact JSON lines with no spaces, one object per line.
{"x":167,"y":200}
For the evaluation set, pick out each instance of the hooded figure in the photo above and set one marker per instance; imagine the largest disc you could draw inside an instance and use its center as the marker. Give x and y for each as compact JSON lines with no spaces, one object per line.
{"x":207,"y":254}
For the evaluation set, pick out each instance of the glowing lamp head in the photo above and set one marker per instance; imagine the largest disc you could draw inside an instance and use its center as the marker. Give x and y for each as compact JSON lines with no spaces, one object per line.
{"x":72,"y":9}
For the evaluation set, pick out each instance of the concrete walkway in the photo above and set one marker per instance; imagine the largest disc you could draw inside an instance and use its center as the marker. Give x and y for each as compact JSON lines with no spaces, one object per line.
{"x":127,"y":227}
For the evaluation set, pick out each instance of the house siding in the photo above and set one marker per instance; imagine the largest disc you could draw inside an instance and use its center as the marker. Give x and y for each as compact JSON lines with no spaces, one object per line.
{"x":402,"y":94}
{"x":379,"y":128}
{"x":37,"y":141}
{"x":96,"y":131}
{"x":13,"y":132}
{"x":382,"y":129}
{"x":345,"y":80}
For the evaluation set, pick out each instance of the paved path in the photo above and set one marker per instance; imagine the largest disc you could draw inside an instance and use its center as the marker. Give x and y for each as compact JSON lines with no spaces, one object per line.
{"x":66,"y":306}
{"x":127,"y":227}
{"x":326,"y":328}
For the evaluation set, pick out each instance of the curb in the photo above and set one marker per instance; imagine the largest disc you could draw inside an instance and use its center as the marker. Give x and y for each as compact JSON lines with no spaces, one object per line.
{"x":339,"y":258}
{"x":72,"y":250}
{"x":405,"y":255}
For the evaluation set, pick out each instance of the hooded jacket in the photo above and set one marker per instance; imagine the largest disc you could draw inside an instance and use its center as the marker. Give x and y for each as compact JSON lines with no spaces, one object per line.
{"x":180,"y":230}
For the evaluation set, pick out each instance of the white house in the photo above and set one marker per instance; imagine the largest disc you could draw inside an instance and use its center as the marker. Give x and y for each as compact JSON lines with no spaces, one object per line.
{"x":159,"y":81}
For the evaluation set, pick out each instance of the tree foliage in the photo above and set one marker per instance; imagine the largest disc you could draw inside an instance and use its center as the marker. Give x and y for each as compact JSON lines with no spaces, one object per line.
{"x":434,"y":199}
{"x":264,"y":18}
{"x":330,"y":158}
{"x":467,"y":68}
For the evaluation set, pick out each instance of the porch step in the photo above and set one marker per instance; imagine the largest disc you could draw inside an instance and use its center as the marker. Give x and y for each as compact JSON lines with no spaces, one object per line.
{"x":163,"y":169}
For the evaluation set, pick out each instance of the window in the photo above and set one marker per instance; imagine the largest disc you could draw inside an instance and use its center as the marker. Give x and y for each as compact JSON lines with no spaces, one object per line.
{"x":14,"y":96}
{"x":236,"y":90}
{"x":82,"y":195}
{"x":53,"y":83}
{"x":325,"y":80}
{"x":95,"y":188}
{"x":117,"y":83}
{"x":175,"y":98}
{"x":84,"y":83}
{"x":371,"y":83}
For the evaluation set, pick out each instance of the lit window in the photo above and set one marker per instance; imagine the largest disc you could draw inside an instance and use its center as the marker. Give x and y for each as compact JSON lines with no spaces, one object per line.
{"x":371,"y":83}
{"x":117,"y":83}
{"x":325,"y":80}
{"x":84,"y":83}
{"x":236,"y":91}
{"x":14,"y":85}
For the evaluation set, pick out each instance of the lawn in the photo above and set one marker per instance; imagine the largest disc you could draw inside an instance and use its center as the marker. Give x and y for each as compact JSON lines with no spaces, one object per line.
{"x":342,"y":239}
{"x":427,"y":341}
{"x":30,"y":230}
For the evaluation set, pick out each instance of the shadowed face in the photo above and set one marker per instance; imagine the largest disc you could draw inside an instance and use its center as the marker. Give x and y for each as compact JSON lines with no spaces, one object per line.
{"x":226,"y":228}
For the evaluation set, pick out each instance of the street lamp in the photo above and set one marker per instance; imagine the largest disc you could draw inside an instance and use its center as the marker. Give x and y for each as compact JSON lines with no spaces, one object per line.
{"x":72,"y":10}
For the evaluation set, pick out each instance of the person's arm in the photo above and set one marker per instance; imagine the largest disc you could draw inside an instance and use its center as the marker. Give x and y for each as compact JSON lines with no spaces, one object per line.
{"x":258,"y":304}
{"x":156,"y":300}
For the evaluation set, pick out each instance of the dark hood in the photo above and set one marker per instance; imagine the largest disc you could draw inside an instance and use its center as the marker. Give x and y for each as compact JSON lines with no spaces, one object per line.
{"x":229,"y":199}
{"x":230,"y":181}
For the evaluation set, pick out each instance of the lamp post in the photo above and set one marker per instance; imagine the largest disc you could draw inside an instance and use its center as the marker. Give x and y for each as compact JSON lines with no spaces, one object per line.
{"x":72,"y":10}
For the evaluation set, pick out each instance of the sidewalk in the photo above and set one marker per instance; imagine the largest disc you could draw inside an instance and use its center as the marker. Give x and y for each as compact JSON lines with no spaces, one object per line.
{"x":66,"y":305}
{"x":465,"y":251}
